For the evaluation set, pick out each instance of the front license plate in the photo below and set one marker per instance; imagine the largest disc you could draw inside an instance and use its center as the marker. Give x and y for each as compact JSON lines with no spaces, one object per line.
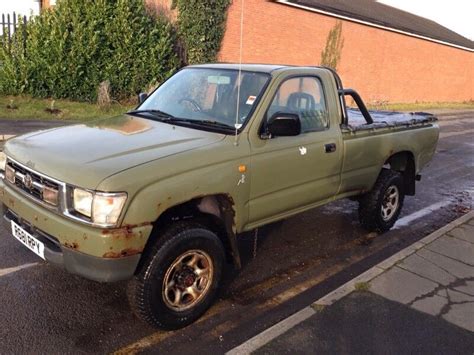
{"x":28,"y":240}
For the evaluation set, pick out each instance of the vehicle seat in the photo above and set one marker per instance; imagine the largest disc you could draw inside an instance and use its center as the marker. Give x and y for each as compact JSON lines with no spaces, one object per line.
{"x":301,"y":101}
{"x":311,"y":114}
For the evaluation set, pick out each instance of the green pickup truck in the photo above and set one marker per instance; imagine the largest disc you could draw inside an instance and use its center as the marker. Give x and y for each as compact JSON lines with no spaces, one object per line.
{"x":160,"y":194}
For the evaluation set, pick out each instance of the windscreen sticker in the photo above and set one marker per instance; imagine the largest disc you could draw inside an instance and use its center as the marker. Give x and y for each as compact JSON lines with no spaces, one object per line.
{"x":251,"y":100}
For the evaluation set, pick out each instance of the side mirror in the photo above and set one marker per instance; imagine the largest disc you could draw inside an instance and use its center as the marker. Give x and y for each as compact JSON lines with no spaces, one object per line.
{"x":142,"y":97}
{"x":284,"y":124}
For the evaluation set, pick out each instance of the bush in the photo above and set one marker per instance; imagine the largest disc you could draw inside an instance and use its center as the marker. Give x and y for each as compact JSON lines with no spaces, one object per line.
{"x":13,"y":70}
{"x":201,"y":26}
{"x":68,"y":52}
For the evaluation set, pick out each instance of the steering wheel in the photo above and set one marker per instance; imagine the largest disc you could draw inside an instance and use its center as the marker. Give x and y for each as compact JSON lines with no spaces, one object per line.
{"x":192,"y":102}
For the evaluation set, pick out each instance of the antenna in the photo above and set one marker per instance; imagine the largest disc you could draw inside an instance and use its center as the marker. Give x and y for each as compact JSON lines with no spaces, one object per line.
{"x":237,"y":124}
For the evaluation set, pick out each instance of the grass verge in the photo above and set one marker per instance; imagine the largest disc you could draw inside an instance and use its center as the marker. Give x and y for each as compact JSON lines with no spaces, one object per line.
{"x":25,"y":107}
{"x":421,"y":106}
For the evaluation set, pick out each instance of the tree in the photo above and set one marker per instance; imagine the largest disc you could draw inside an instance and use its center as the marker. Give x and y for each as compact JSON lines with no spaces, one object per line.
{"x":331,"y":54}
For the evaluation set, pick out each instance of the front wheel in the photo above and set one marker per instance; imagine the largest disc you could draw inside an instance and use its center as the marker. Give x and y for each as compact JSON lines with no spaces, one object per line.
{"x":379,"y":209}
{"x":179,"y":277}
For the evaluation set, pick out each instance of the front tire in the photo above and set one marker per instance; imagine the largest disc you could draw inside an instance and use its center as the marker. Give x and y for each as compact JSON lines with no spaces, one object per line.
{"x":379,"y":209}
{"x":179,"y":277}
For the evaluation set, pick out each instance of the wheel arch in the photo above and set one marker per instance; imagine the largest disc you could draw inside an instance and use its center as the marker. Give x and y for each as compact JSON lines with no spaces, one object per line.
{"x":404,"y":163}
{"x":215,"y":212}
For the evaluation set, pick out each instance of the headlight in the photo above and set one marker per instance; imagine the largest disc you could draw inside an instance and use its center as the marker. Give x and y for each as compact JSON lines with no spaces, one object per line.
{"x":83,"y":202}
{"x":102,"y":208}
{"x":106,"y":208}
{"x":3,"y":161}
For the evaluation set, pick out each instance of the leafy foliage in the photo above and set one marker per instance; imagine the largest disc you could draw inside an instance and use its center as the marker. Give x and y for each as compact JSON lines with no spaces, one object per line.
{"x":331,"y":55}
{"x":68,"y":52}
{"x":201,"y":26}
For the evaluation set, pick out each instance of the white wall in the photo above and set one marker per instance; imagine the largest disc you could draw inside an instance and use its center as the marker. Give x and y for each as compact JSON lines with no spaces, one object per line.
{"x":24,"y":7}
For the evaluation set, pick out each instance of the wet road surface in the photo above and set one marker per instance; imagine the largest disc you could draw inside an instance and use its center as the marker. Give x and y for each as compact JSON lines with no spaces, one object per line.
{"x":45,"y":310}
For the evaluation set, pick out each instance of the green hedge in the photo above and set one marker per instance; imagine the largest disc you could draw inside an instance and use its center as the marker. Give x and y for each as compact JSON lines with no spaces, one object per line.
{"x":201,"y":26}
{"x":68,"y":52}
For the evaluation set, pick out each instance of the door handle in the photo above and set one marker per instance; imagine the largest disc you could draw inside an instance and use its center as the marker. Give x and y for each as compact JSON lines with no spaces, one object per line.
{"x":330,"y":147}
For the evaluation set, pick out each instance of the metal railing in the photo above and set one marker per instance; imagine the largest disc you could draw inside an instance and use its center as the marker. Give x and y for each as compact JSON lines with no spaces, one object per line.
{"x":9,"y":23}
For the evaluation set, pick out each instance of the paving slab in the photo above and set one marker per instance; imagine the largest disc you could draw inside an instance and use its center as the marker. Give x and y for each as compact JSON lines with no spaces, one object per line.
{"x":468,"y":287}
{"x":454,"y":248}
{"x":454,"y":267}
{"x":422,"y":267}
{"x":442,"y":293}
{"x":464,"y":232}
{"x":461,"y":315}
{"x":432,"y":305}
{"x":455,"y":296}
{"x":401,"y":286}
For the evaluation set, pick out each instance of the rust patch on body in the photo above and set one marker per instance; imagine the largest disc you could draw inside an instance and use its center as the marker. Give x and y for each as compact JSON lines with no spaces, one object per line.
{"x":121,"y":254}
{"x":125,"y":231}
{"x":73,"y":245}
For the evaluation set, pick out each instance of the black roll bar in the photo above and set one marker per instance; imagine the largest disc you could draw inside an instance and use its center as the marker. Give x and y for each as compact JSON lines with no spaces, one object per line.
{"x":360,"y":104}
{"x":342,"y":94}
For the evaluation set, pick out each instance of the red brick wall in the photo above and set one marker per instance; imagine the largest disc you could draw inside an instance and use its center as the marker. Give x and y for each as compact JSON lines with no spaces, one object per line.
{"x":381,"y":65}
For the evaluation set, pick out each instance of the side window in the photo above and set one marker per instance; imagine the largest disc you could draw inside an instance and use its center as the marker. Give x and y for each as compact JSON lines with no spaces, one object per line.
{"x":303,"y":96}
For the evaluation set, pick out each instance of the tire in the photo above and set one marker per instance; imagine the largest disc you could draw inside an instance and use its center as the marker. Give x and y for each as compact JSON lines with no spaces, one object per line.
{"x":158,"y":293}
{"x":379,"y":209}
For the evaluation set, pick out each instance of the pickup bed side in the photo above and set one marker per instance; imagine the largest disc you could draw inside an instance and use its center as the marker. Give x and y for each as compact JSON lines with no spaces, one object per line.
{"x":367,"y":151}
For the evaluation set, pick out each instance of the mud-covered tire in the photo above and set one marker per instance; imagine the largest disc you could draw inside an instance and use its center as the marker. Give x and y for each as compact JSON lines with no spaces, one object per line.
{"x":166,"y":260}
{"x":374,"y":207}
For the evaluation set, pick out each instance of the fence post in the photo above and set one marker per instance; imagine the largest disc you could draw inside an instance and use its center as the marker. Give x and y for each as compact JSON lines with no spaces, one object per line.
{"x":13,"y":22}
{"x":8,"y":24}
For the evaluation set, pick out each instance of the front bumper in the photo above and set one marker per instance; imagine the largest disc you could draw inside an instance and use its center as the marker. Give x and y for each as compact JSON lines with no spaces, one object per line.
{"x":104,"y":255}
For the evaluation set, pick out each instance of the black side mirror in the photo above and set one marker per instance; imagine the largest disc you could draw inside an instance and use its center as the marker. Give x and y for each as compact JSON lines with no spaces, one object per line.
{"x":284,"y":124}
{"x":142,"y":97}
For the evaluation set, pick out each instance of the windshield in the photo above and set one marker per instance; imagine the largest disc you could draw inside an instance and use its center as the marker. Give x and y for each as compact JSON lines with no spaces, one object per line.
{"x":208,"y":95}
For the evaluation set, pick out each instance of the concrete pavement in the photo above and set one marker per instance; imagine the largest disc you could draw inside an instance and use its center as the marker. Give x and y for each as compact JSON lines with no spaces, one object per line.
{"x":420,"y":300}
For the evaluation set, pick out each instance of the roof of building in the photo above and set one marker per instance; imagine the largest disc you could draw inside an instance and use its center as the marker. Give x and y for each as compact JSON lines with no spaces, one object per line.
{"x":380,"y":14}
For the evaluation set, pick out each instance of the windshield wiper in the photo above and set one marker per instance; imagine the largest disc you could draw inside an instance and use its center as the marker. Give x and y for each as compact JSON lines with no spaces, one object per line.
{"x":211,"y":123}
{"x":156,"y":113}
{"x":199,"y":122}
{"x":166,"y":117}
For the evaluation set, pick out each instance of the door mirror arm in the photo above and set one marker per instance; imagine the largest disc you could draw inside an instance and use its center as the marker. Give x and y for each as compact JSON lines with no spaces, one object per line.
{"x":142,"y":97}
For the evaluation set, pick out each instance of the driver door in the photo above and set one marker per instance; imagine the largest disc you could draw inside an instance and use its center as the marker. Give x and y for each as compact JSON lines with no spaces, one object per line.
{"x":291,"y":173}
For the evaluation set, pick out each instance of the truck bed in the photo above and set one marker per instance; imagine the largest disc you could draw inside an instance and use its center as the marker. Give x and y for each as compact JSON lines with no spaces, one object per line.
{"x":387,"y":119}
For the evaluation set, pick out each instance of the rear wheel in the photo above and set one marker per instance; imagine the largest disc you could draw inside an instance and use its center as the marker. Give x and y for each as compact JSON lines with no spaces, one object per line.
{"x":379,"y":209}
{"x":179,"y":277}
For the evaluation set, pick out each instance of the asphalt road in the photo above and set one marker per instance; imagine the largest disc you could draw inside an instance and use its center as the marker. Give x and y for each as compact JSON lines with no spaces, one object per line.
{"x":17,"y":127}
{"x":45,"y":310}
